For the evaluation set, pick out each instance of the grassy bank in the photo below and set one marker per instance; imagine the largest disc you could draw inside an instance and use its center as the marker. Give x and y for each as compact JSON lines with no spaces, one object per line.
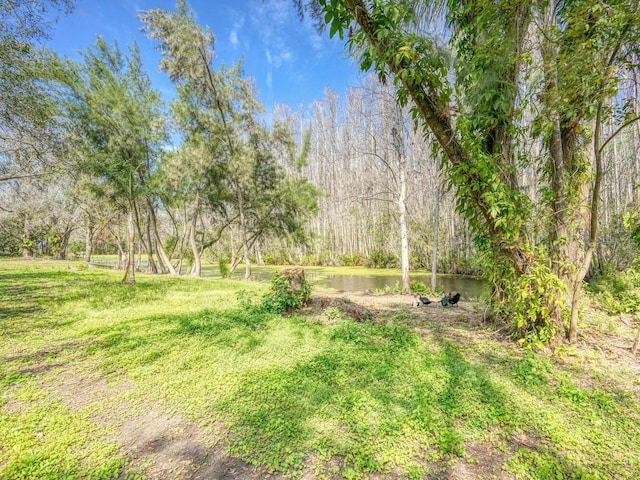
{"x":310,"y":395}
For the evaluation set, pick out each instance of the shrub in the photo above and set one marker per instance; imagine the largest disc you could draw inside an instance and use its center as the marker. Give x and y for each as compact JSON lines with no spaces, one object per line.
{"x":618,"y":292}
{"x":380,"y":259}
{"x":225,"y":269}
{"x":418,"y":286}
{"x":354,"y":260}
{"x":286,"y":295}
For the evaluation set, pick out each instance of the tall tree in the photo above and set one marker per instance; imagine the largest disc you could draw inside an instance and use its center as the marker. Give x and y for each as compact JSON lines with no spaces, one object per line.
{"x":229,"y":156}
{"x":565,"y":56}
{"x":27,"y":108}
{"x":114,"y":113}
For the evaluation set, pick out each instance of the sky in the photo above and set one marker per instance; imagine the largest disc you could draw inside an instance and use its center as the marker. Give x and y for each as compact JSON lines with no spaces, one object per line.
{"x":290,"y":61}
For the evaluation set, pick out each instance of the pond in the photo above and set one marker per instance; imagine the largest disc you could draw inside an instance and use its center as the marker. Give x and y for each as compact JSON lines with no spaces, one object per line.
{"x":352,"y":279}
{"x":358,"y":279}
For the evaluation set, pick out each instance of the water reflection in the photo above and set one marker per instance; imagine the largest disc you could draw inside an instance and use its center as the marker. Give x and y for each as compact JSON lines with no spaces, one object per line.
{"x":469,"y":287}
{"x":359,"y":281}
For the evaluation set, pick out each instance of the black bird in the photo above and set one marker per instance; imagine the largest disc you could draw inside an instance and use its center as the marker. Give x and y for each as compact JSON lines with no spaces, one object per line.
{"x":449,"y":300}
{"x":454,"y":300}
{"x":425,"y":300}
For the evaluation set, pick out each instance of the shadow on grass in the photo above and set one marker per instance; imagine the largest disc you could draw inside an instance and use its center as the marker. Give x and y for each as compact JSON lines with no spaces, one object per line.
{"x":374,"y":397}
{"x":147,"y":340}
{"x":31,"y":300}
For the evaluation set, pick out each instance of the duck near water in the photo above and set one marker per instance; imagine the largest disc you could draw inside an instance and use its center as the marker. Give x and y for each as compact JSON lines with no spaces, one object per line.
{"x":420,"y":300}
{"x":449,"y":300}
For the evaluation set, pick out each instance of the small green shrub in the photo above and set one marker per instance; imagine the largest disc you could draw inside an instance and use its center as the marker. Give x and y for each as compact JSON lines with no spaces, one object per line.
{"x":618,"y":292}
{"x":283,"y":297}
{"x":381,"y":259}
{"x":80,"y":266}
{"x":225,"y":269}
{"x":354,"y":260}
{"x":418,"y":286}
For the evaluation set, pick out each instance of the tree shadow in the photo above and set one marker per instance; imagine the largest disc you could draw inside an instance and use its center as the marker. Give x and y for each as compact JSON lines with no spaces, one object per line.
{"x":375,"y":388}
{"x":31,"y":300}
{"x":148,"y":339}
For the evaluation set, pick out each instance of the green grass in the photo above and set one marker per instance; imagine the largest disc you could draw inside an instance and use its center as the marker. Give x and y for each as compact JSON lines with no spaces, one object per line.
{"x":288,"y":393}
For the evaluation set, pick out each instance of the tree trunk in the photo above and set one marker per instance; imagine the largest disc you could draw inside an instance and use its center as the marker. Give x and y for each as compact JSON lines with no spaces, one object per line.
{"x":144,"y":245}
{"x":404,"y":240}
{"x":436,"y":230}
{"x":196,"y":269}
{"x":25,"y":239}
{"x":130,"y":271}
{"x":245,"y":240}
{"x":120,"y":264}
{"x":164,"y":258}
{"x":151,"y":267}
{"x":88,"y":243}
{"x":61,"y":254}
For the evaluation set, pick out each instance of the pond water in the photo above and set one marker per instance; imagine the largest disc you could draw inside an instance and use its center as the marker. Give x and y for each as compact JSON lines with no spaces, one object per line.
{"x":469,"y":287}
{"x":355,"y":279}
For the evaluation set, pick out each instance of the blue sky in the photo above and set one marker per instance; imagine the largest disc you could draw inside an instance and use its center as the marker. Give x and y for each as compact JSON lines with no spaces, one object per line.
{"x":290,"y":62}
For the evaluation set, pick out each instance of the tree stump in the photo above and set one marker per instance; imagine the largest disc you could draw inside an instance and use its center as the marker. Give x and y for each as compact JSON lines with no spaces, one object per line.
{"x":295,"y":278}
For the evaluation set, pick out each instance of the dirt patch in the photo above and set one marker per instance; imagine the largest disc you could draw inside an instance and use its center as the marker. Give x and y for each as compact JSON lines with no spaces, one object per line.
{"x":480,"y":461}
{"x":344,"y":306}
{"x":377,"y":309}
{"x":157,"y":443}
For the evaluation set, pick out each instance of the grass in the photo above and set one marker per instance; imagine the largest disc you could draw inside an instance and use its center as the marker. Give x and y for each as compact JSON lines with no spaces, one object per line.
{"x":288,"y":394}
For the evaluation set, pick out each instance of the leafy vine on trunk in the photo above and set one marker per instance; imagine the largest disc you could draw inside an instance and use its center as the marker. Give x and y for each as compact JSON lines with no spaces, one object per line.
{"x":501,"y":54}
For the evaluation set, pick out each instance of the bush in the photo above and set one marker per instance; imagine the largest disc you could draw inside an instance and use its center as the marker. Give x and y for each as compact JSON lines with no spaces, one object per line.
{"x":285,"y":296}
{"x":225,"y":269}
{"x":618,"y":292}
{"x":380,"y":259}
{"x":418,"y":286}
{"x":354,"y":260}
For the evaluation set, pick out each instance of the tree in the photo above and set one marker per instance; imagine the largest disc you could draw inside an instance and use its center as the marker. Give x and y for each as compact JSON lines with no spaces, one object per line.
{"x":559,"y":62}
{"x":27,"y":109}
{"x":230,"y":158}
{"x":114,"y":115}
{"x":267,"y":201}
{"x":205,"y":110}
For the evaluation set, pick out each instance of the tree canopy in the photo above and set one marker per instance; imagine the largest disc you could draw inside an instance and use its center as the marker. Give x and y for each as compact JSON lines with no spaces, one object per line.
{"x":504,"y":76}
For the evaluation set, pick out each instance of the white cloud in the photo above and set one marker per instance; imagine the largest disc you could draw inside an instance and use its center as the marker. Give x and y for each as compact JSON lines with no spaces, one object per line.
{"x":275,"y":23}
{"x":237,"y":33}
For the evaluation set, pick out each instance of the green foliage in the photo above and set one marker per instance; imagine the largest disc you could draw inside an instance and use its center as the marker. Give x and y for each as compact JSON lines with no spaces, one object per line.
{"x":353,"y":260}
{"x":284,"y":296}
{"x":217,"y":113}
{"x":530,"y":303}
{"x":618,"y":245}
{"x":224,"y":267}
{"x":532,"y":370}
{"x":80,"y":266}
{"x":418,"y":286}
{"x":382,"y":259}
{"x":618,"y":292}
{"x":580,"y":48}
{"x":631,"y":221}
{"x":49,"y":442}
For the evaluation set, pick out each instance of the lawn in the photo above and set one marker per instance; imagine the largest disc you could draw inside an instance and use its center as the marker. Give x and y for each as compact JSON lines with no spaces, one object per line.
{"x":102,"y":380}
